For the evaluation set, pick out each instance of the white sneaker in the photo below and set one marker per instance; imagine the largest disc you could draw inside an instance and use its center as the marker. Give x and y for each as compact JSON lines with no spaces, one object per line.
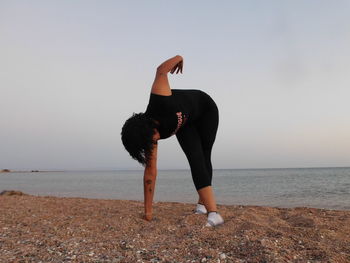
{"x":200,"y":209}
{"x":214,"y":219}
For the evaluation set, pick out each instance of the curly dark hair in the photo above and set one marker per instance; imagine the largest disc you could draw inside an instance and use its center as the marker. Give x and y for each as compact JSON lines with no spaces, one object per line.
{"x":137,"y":137}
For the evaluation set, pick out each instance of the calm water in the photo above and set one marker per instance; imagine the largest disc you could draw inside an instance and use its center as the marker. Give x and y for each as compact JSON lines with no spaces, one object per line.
{"x":312,"y":187}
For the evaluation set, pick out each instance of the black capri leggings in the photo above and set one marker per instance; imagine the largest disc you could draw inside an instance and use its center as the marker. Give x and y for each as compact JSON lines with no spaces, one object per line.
{"x":196,"y":140}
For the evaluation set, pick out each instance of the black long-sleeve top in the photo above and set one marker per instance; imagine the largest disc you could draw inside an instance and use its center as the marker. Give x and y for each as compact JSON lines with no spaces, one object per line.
{"x":177,"y":110}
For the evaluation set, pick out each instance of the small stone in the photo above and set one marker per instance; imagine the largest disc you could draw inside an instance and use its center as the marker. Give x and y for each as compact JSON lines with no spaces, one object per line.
{"x":118,"y":259}
{"x":204,"y":260}
{"x":91,"y":254}
{"x":222,"y":256}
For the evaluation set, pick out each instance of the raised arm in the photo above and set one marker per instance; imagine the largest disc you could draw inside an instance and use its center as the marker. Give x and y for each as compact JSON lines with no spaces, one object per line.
{"x":149,"y":183}
{"x":161,"y":83}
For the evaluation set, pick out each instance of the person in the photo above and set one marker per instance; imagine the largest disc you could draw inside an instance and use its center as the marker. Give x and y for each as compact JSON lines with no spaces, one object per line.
{"x":193,"y":117}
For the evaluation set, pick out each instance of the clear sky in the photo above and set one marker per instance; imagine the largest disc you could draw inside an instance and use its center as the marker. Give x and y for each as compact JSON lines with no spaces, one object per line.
{"x":71,"y":73}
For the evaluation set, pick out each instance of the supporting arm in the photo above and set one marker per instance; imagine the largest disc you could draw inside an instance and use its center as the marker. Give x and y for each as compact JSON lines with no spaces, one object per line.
{"x":149,"y":183}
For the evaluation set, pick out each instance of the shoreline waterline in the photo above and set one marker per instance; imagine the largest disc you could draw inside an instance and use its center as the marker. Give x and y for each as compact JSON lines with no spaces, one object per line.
{"x":327,"y":188}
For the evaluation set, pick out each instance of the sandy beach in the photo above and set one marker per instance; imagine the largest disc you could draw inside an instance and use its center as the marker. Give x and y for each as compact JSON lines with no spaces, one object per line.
{"x":52,"y":229}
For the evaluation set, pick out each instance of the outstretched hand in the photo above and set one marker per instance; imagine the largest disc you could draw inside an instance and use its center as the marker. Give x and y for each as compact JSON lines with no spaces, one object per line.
{"x":178,"y":67}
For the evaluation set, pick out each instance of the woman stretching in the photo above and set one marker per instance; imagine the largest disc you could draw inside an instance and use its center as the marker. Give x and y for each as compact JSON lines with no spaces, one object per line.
{"x":193,"y":117}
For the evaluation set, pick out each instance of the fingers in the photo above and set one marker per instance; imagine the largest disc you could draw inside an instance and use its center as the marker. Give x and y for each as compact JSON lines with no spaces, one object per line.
{"x":148,"y":217}
{"x":177,"y":68}
{"x":174,"y":69}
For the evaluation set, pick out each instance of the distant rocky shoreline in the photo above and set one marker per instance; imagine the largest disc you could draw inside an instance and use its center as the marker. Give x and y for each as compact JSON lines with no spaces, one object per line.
{"x":11,"y":192}
{"x":15,"y":171}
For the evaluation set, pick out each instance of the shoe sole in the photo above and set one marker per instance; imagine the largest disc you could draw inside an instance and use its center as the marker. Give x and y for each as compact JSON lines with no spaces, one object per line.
{"x":212,"y":224}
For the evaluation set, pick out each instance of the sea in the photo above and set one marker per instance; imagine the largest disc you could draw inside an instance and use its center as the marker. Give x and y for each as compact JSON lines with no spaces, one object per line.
{"x":327,"y":188}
